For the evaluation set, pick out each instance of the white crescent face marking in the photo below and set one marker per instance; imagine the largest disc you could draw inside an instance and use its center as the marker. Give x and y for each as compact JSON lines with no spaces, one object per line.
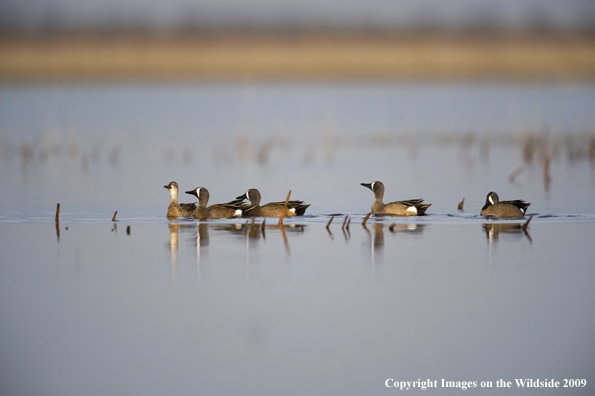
{"x":248,"y":195}
{"x":198,"y":191}
{"x":373,"y":186}
{"x":412,"y":209}
{"x":491,"y":200}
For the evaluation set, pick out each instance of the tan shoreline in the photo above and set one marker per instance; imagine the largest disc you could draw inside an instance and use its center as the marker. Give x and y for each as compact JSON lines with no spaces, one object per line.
{"x":299,"y":57}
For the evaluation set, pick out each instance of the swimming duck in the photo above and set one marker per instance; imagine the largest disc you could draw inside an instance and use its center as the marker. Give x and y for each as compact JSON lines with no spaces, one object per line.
{"x":495,"y":207}
{"x":175,"y":209}
{"x":217,"y":211}
{"x":411,"y":207}
{"x":273,"y":209}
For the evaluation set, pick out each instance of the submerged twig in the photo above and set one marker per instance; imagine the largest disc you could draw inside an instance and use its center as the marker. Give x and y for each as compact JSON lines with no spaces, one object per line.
{"x":58,"y":213}
{"x":114,"y":218}
{"x":285,"y":239}
{"x":366,"y":219}
{"x":461,"y":204}
{"x":527,"y":224}
{"x":344,"y":222}
{"x":328,"y":225}
{"x":284,"y":208}
{"x":330,"y":234}
{"x":329,"y":222}
{"x":128,"y":230}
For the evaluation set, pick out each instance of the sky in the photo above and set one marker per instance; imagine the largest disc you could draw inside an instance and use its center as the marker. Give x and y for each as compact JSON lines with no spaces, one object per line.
{"x":383,"y":14}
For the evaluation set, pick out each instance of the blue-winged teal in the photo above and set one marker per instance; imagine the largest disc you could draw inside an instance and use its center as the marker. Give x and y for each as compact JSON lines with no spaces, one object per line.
{"x":273,"y":209}
{"x":411,"y":207}
{"x":217,"y":211}
{"x":495,"y":207}
{"x":175,"y":209}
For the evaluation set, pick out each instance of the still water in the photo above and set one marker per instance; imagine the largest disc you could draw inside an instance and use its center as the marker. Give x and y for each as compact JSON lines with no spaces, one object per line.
{"x":145,"y":305}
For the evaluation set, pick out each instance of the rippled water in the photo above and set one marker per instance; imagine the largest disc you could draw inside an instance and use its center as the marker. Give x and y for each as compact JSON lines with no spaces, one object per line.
{"x":145,"y":305}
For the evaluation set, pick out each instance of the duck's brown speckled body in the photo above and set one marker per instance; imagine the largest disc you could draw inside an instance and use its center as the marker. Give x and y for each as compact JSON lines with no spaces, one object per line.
{"x":273,"y":209}
{"x":216,"y":211}
{"x":495,"y":207}
{"x":411,"y":207}
{"x":175,"y":209}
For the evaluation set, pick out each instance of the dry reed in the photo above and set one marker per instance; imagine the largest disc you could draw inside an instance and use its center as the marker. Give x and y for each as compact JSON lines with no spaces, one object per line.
{"x":284,"y":208}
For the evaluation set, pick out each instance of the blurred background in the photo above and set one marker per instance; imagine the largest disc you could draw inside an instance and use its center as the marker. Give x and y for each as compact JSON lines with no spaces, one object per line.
{"x":537,"y":16}
{"x":282,"y":39}
{"x":110,"y":100}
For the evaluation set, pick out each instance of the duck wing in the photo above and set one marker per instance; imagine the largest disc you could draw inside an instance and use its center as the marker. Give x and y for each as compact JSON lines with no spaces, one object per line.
{"x":409,"y":202}
{"x":519,"y":203}
{"x":190,"y":207}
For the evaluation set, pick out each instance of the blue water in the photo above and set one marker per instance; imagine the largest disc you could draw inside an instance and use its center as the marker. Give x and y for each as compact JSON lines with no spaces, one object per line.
{"x":145,"y":305}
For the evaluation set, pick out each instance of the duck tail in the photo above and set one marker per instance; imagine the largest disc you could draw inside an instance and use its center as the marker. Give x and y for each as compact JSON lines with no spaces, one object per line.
{"x":421,"y":209}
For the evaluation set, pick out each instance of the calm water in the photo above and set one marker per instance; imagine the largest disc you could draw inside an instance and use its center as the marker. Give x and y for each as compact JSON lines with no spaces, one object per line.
{"x":146,"y":305}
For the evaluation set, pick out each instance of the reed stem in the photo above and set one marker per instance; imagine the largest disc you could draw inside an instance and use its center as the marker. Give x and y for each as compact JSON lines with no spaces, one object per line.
{"x":329,"y":222}
{"x":366,"y":219}
{"x":284,"y":208}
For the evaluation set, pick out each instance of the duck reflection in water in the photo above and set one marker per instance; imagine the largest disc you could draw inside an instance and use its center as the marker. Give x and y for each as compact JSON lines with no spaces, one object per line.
{"x":377,"y":236}
{"x":493,"y":231}
{"x":202,"y":241}
{"x":252,"y":229}
{"x":250,"y":232}
{"x":412,"y":228}
{"x":173,"y":248}
{"x":376,"y":242}
{"x":378,"y":239}
{"x":200,"y":235}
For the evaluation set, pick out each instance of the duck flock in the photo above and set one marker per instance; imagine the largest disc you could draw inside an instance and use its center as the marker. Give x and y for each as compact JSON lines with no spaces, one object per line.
{"x":240,"y":208}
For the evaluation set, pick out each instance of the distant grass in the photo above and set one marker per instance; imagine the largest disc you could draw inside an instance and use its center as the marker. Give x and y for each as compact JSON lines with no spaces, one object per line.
{"x":301,"y":57}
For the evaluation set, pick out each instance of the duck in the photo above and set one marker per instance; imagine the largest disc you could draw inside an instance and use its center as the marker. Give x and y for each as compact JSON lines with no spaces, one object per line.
{"x":217,"y":211}
{"x":495,"y":207}
{"x":411,"y":207}
{"x":273,"y":209}
{"x":175,"y":209}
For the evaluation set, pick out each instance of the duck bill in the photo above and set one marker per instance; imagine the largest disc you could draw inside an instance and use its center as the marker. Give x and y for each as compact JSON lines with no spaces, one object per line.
{"x":166,"y":186}
{"x":192,"y":192}
{"x":369,"y":185}
{"x":242,"y":197}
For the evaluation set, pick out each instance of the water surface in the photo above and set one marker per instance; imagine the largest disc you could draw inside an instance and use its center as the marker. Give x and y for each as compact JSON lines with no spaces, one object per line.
{"x":145,"y":305}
